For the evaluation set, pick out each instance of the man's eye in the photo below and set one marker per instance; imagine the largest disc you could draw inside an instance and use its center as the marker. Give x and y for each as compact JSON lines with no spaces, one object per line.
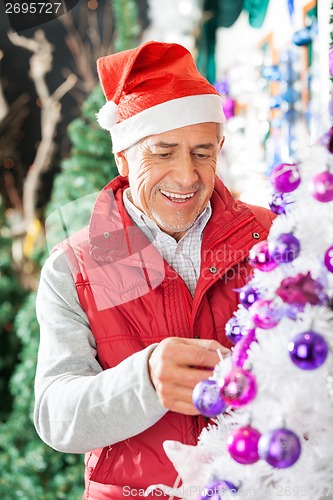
{"x":201,"y":155}
{"x":163,"y":155}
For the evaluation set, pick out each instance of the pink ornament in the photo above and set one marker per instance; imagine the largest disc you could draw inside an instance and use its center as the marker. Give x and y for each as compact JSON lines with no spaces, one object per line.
{"x":238,"y":388}
{"x":241,"y":351}
{"x":228,"y":107}
{"x":260,"y":258}
{"x":328,"y":259}
{"x":242,"y":445}
{"x":300,"y":290}
{"x":321,"y":187}
{"x":265,"y":314}
{"x":285,"y":177}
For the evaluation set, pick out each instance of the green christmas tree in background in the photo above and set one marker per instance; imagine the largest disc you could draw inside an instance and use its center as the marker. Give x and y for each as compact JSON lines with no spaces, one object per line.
{"x":29,"y":468}
{"x":11,"y":296}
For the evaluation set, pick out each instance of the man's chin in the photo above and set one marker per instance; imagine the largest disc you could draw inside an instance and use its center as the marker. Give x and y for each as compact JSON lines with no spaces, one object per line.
{"x":174,"y":229}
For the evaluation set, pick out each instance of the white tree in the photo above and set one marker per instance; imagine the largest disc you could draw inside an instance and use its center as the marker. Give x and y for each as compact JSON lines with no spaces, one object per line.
{"x":275,"y":436}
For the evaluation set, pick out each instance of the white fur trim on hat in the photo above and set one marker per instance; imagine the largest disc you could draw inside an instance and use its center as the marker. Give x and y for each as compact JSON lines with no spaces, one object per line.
{"x":107,"y":116}
{"x":167,"y":116}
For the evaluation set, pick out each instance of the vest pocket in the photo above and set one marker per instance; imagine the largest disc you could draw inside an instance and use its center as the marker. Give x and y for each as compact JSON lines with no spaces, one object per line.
{"x":104,"y":463}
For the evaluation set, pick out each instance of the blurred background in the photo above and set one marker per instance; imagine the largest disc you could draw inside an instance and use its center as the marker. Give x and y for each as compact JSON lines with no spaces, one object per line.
{"x":269,"y":59}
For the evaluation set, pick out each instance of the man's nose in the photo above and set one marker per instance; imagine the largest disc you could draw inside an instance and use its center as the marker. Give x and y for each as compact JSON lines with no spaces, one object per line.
{"x":186,"y":173}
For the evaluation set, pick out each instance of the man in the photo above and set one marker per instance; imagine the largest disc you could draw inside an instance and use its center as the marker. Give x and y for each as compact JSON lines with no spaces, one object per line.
{"x":132,"y":308}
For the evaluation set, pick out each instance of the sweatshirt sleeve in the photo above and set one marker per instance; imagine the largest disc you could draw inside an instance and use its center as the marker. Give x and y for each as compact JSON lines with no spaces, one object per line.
{"x":78,"y":406}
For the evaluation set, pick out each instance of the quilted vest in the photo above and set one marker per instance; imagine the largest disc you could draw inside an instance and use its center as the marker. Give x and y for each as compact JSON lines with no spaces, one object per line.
{"x":133,"y":298}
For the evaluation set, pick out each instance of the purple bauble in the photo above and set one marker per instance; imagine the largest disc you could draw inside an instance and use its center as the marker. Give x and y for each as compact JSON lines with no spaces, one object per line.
{"x":285,"y":177}
{"x":217,"y":490}
{"x":242,"y":445}
{"x":233,"y":331}
{"x":248,"y":295}
{"x":321,"y":187}
{"x":285,"y":248}
{"x":327,"y":140}
{"x":308,"y":350}
{"x":265,"y":314}
{"x":277,"y":204}
{"x":238,"y":388}
{"x":281,"y":448}
{"x":207,"y":399}
{"x":260,"y":258}
{"x":328,"y":259}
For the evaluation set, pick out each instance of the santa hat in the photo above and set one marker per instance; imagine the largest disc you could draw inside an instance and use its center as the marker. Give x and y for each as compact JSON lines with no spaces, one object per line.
{"x":152,"y":89}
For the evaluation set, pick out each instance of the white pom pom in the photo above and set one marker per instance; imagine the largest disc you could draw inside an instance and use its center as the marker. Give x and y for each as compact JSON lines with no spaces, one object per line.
{"x":107,"y":116}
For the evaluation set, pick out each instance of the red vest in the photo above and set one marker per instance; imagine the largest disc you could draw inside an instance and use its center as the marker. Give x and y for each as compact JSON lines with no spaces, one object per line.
{"x":133,"y":298}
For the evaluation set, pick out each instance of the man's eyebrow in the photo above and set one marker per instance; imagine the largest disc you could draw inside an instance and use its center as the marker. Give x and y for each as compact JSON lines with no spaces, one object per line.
{"x":208,"y":145}
{"x":162,"y":144}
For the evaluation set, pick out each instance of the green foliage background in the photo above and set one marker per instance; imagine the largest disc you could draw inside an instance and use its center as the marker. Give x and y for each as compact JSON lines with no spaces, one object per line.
{"x":29,"y":468}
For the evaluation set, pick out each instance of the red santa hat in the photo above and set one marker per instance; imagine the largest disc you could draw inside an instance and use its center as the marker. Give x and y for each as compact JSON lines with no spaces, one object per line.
{"x":152,"y":89}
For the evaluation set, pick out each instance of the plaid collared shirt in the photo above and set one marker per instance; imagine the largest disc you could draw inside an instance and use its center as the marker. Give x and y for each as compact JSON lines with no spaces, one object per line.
{"x":185,"y":255}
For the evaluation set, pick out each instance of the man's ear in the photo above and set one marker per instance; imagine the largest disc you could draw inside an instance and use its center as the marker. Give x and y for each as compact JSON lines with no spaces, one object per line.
{"x":222,"y":142}
{"x":122,"y":163}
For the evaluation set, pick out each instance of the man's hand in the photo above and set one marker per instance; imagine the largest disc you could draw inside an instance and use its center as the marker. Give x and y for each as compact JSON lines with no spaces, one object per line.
{"x":177,"y":365}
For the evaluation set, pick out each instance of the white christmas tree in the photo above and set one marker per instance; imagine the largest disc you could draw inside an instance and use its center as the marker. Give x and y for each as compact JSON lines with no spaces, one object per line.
{"x":273,"y":435}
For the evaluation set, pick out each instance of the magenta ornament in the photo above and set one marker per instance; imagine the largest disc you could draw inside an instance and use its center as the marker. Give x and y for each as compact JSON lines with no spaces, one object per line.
{"x":284,"y":248}
{"x":321,"y":187}
{"x":238,"y":388}
{"x":240,"y":352}
{"x":242,"y":445}
{"x":247,"y":295}
{"x":233,"y":330}
{"x":281,"y":448}
{"x":308,"y":350}
{"x":285,"y":177}
{"x":328,"y":259}
{"x":260,"y":258}
{"x":300,"y":290}
{"x":330,"y":60}
{"x":228,"y":106}
{"x":265,"y":314}
{"x":207,"y":399}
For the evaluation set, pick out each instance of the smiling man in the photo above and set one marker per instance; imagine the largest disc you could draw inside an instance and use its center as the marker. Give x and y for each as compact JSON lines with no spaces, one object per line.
{"x":132,"y":308}
{"x":172,"y":175}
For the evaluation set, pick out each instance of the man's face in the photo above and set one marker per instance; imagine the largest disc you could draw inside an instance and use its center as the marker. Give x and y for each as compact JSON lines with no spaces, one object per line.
{"x":171,"y":175}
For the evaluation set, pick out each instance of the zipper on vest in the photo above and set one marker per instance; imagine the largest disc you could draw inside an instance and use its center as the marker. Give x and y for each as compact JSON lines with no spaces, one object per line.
{"x":224,"y":237}
{"x":188,"y":306}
